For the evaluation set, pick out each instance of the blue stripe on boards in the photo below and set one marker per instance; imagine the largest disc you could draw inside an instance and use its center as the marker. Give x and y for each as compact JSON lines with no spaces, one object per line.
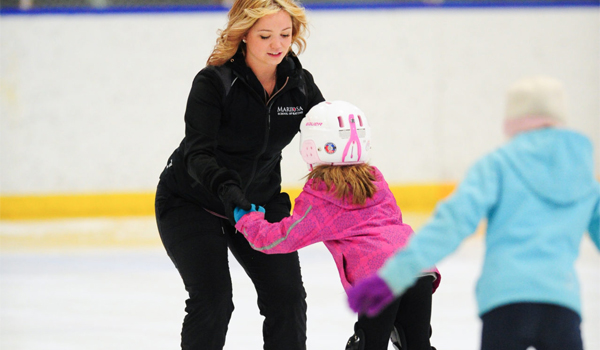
{"x":113,"y":10}
{"x":451,"y":4}
{"x":325,"y":6}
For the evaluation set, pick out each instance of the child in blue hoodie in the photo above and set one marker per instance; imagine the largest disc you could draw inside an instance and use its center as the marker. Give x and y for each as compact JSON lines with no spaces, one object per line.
{"x":539,"y":196}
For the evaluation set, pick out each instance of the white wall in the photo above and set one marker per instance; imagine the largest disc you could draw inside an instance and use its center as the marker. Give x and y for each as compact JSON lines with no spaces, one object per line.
{"x":95,"y":103}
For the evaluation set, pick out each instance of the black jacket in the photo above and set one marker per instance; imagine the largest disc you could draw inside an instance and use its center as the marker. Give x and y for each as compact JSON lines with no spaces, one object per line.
{"x":235,"y":133}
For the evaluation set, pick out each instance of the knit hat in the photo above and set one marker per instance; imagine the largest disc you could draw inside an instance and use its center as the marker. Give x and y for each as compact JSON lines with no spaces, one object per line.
{"x":533,"y":103}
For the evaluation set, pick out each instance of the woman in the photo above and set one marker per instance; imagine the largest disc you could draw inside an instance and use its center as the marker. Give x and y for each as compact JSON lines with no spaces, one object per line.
{"x":244,"y":107}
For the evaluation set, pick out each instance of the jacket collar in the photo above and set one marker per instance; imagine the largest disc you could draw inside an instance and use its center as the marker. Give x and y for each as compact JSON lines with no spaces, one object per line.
{"x":289,"y":67}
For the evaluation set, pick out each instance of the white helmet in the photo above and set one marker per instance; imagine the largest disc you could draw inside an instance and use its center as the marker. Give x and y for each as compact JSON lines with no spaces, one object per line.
{"x":335,"y":133}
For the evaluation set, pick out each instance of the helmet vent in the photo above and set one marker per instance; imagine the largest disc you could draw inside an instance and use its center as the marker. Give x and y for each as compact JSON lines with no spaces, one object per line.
{"x":340,"y":122}
{"x":359,"y":120}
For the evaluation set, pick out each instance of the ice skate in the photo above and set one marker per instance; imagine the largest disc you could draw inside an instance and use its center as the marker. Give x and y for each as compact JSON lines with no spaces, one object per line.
{"x":398,"y":339}
{"x":356,"y":341}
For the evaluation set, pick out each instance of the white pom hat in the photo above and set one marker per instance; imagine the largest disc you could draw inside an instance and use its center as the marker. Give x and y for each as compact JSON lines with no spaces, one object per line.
{"x":533,"y":103}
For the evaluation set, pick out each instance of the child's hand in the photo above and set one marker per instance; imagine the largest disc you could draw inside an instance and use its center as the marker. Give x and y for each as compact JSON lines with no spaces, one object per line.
{"x":370,"y":295}
{"x":239,"y":212}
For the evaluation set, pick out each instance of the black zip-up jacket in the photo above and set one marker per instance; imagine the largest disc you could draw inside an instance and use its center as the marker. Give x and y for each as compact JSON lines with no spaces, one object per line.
{"x":234,"y":132}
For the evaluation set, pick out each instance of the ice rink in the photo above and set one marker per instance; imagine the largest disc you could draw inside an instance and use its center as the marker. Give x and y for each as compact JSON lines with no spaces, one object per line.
{"x":87,"y":284}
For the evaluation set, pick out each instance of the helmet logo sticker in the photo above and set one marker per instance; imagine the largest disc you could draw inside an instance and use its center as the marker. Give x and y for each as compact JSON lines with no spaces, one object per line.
{"x":330,"y":148}
{"x":313,"y":124}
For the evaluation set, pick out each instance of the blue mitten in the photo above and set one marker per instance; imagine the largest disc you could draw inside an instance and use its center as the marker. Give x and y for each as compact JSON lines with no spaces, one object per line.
{"x":239,"y":212}
{"x":370,"y":296}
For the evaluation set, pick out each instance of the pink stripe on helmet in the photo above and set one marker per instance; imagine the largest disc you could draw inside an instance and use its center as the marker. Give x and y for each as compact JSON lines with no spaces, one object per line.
{"x":353,"y":139}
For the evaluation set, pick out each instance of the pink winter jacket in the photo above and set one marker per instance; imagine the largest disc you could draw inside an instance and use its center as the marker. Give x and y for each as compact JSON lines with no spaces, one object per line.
{"x":360,"y":237}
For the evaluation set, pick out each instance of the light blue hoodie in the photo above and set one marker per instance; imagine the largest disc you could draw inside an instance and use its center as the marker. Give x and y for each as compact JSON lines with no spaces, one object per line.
{"x":539,"y":196}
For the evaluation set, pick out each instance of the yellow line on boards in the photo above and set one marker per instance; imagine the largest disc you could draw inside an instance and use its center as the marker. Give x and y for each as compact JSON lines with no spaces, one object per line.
{"x":410,"y":197}
{"x":76,"y":205}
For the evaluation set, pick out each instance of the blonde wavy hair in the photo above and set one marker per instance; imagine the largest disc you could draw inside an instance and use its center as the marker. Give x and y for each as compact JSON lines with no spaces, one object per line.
{"x":354,"y":182}
{"x":244,"y":14}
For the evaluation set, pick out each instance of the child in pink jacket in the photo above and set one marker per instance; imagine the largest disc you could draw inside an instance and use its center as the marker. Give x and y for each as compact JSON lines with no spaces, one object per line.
{"x":347,"y":205}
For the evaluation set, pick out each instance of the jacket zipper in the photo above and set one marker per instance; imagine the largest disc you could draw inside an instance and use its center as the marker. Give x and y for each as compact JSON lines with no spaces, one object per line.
{"x":269,"y":104}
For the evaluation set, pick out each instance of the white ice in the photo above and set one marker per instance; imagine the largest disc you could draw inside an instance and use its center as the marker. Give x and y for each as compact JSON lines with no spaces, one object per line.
{"x":129,"y":296}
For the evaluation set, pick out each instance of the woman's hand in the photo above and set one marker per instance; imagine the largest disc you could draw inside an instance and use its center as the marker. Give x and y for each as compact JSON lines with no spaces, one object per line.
{"x":232,"y":196}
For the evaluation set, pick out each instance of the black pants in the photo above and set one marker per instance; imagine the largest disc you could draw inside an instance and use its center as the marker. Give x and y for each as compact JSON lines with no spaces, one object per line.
{"x":197,"y":242}
{"x":411,"y":311}
{"x":521,"y":325}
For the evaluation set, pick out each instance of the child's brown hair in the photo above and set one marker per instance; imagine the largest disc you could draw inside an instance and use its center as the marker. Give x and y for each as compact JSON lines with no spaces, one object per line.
{"x":346,"y":181}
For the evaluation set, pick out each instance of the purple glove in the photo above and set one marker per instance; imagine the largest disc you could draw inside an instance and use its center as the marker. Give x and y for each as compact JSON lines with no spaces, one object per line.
{"x":370,"y":295}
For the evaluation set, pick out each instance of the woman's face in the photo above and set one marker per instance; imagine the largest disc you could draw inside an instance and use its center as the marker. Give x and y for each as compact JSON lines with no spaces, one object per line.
{"x":268,"y":41}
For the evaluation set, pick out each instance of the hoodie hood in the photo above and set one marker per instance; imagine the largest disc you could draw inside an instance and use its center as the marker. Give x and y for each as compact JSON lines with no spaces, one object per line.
{"x":321,"y":192}
{"x":556,"y":164}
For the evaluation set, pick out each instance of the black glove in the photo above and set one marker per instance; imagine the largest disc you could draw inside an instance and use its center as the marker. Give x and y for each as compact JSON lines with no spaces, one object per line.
{"x":232,"y":196}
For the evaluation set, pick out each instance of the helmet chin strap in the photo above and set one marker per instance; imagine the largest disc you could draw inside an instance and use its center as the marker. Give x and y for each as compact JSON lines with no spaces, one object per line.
{"x":353,"y":140}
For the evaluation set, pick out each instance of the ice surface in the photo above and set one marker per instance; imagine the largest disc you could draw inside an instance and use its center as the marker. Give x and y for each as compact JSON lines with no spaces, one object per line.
{"x":63,"y":294}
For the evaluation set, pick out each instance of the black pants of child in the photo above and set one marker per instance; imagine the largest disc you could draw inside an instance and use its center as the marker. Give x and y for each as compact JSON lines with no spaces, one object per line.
{"x":197,"y":242}
{"x":521,"y":325}
{"x":411,"y":311}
